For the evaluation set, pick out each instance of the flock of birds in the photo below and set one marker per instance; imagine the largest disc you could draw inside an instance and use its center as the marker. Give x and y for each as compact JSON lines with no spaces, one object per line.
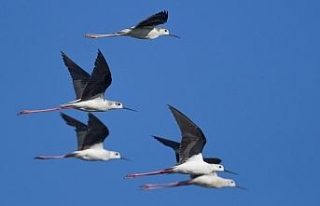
{"x":90,"y":89}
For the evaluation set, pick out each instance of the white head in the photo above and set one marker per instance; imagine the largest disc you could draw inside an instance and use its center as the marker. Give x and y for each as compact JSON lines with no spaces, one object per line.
{"x":228,"y":183}
{"x":217,"y":168}
{"x":165,"y":32}
{"x":117,"y":105}
{"x":114,"y":155}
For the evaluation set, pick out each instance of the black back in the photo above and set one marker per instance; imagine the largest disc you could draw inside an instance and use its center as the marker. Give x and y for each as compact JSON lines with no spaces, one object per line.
{"x":80,"y":128}
{"x":99,"y":80}
{"x":176,"y":145}
{"x":88,"y":135}
{"x":98,"y":132}
{"x":193,"y":139}
{"x":154,"y":20}
{"x":79,"y":76}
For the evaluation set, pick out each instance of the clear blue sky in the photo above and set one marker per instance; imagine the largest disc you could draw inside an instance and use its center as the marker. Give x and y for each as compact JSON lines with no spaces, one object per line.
{"x":247,"y":72}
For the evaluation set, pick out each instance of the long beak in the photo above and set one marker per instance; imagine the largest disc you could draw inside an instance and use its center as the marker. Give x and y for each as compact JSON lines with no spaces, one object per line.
{"x":174,"y":36}
{"x":129,"y":109}
{"x":243,"y":188}
{"x":123,"y":158}
{"x":228,"y":171}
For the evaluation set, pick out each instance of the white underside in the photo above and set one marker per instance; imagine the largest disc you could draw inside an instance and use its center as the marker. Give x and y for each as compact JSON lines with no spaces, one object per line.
{"x":92,"y":105}
{"x":92,"y":154}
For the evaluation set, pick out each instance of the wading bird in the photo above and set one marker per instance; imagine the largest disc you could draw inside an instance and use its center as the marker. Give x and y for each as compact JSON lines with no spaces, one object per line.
{"x":208,"y":181}
{"x":89,"y":89}
{"x":176,"y":146}
{"x":90,"y":141}
{"x":145,"y":29}
{"x":190,"y":152}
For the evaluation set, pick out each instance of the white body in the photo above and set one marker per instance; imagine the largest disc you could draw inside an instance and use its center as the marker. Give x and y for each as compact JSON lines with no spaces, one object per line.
{"x":95,"y":154}
{"x":212,"y":180}
{"x":93,"y":105}
{"x":146,"y":32}
{"x":140,"y":33}
{"x":195,"y":166}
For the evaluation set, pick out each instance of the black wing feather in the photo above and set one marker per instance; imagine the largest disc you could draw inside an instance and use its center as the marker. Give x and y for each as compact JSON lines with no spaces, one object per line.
{"x":193,"y":139}
{"x":100,"y":78}
{"x":80,"y":128}
{"x":174,"y":145}
{"x":154,"y":20}
{"x":79,"y":76}
{"x":212,"y":160}
{"x":97,"y":132}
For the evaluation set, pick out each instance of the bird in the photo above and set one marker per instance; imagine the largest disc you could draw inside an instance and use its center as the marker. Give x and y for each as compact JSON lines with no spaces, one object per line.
{"x":145,"y":29}
{"x":207,"y":181}
{"x":176,"y":145}
{"x":90,"y":141}
{"x":190,"y":151}
{"x":89,"y":89}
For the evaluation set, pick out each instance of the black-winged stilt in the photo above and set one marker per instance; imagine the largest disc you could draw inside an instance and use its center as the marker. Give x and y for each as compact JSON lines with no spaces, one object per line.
{"x":176,"y":146}
{"x":90,"y":141}
{"x":145,"y":29}
{"x":190,"y":152}
{"x":89,"y":89}
{"x":208,"y":181}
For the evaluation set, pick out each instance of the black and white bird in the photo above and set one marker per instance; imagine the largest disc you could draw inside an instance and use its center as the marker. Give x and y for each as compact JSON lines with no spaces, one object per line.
{"x":145,"y":29}
{"x":176,"y":146}
{"x":208,"y":181}
{"x":190,"y":151}
{"x":90,"y":141}
{"x":89,"y":89}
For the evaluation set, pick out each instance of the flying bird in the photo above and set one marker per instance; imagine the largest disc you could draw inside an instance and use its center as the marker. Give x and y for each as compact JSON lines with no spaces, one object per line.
{"x":208,"y":181}
{"x":145,"y":29}
{"x":176,"y":146}
{"x":190,"y":151}
{"x":90,"y":141}
{"x":89,"y":89}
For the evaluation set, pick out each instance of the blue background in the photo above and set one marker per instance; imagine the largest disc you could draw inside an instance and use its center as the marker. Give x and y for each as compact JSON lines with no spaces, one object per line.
{"x":247,"y":72}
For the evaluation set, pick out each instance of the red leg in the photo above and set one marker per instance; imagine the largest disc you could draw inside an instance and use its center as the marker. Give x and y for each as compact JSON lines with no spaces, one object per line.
{"x":164,"y":171}
{"x":49,"y":157}
{"x":42,"y":110}
{"x":166,"y":185}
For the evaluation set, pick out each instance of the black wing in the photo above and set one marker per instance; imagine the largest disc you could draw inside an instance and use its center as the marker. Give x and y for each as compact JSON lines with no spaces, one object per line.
{"x":174,"y":145}
{"x":154,"y":20}
{"x":79,"y":76}
{"x":100,"y":78}
{"x":212,"y":160}
{"x":81,"y":128}
{"x":97,"y":132}
{"x":193,"y":139}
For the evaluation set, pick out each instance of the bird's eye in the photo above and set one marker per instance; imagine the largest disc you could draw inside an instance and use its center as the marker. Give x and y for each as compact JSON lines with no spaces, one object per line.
{"x":220,"y":166}
{"x":117,"y":154}
{"x":166,"y":30}
{"x":118,"y":103}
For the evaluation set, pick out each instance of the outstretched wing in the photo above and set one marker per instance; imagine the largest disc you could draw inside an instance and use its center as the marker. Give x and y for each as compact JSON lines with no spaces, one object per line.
{"x":174,"y":145}
{"x":100,"y":78}
{"x":79,"y":76}
{"x":193,"y":139}
{"x":98,"y":132}
{"x":154,"y":20}
{"x":80,"y":128}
